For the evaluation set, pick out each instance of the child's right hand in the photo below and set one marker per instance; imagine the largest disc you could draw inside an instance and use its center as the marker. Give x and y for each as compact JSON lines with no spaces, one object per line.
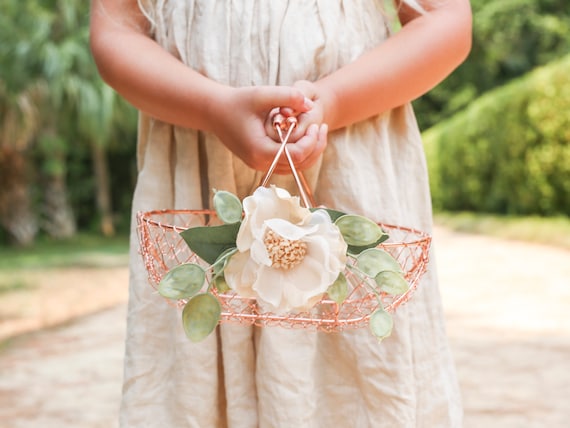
{"x":241,"y":119}
{"x":310,"y":129}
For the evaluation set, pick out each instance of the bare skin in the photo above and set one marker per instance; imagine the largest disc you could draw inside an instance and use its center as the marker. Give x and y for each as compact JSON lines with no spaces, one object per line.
{"x":418,"y":57}
{"x":162,"y":86}
{"x":423,"y":53}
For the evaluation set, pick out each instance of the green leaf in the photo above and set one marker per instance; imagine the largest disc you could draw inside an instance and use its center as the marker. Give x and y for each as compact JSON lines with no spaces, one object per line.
{"x":392,"y":282}
{"x":375,"y":260}
{"x":221,"y":284}
{"x":338,"y":291}
{"x":333,"y":214}
{"x":201,"y":316}
{"x":222,"y":260}
{"x":182,"y":282}
{"x":381,"y":324}
{"x":209,"y":242}
{"x":228,"y":207}
{"x":357,"y":249}
{"x":359,"y":231}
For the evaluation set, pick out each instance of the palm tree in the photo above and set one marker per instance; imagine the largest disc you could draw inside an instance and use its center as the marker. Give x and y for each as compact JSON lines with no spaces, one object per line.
{"x":46,"y":45}
{"x":76,"y":86}
{"x":19,"y":121}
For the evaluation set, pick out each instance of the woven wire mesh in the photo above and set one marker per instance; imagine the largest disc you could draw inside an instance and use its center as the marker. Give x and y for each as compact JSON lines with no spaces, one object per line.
{"x":162,"y":248}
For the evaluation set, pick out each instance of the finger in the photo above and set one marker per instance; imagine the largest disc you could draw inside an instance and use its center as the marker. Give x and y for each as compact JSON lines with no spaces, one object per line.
{"x":304,"y":121}
{"x":303,"y":148}
{"x":324,"y":133}
{"x":323,"y":138}
{"x":288,"y":111}
{"x":306,"y":151}
{"x":268,"y":97}
{"x":319,"y":137}
{"x":283,"y":166}
{"x":306,"y":87}
{"x":269,"y":125}
{"x":318,"y":148}
{"x":269,"y":149}
{"x":314,"y":143}
{"x":284,"y":129}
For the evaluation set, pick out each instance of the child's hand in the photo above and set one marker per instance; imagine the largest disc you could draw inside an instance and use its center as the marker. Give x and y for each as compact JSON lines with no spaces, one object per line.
{"x":240,"y":122}
{"x":309,"y":131}
{"x":304,"y":146}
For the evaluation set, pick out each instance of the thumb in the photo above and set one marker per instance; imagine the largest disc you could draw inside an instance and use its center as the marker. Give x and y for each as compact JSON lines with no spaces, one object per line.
{"x":269,"y":97}
{"x":307,"y":88}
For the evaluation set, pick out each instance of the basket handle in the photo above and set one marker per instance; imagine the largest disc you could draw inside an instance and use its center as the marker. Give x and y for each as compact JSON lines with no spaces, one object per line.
{"x":284,"y":127}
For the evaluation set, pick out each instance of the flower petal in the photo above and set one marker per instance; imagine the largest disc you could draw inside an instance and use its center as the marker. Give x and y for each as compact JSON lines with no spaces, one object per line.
{"x":251,"y":271}
{"x":329,"y":248}
{"x":266,"y":203}
{"x":240,"y":273}
{"x":258,"y":253}
{"x":302,"y":285}
{"x":320,"y":217}
{"x":289,"y":230}
{"x":269,"y":288}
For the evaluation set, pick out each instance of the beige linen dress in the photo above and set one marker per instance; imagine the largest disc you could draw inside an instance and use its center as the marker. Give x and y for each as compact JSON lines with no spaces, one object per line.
{"x":272,"y":377}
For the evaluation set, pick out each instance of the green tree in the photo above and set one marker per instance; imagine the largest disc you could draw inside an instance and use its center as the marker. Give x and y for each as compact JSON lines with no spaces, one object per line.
{"x":47,"y":46}
{"x":509,"y":151}
{"x":510,"y":38}
{"x":19,"y":123}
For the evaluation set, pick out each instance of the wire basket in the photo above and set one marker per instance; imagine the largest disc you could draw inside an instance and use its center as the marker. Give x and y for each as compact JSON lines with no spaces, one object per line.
{"x":162,"y":248}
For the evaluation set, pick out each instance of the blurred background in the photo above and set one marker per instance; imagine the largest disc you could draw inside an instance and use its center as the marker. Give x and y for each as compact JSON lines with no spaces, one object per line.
{"x":497,"y":138}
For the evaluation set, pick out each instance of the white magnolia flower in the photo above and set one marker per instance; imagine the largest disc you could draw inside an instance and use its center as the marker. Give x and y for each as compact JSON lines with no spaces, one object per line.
{"x":287,"y":255}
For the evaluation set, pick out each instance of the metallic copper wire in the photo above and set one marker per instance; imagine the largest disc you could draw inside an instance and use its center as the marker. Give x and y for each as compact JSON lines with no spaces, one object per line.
{"x":162,"y":248}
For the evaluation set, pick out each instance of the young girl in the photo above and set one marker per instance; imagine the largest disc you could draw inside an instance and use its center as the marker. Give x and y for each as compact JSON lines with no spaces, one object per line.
{"x":206,"y":75}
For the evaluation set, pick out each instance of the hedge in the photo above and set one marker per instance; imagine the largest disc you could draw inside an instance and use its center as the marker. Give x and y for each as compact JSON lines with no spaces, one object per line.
{"x":509,"y":151}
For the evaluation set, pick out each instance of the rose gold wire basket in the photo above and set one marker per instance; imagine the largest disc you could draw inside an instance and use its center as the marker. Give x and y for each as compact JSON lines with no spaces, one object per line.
{"x":162,"y":248}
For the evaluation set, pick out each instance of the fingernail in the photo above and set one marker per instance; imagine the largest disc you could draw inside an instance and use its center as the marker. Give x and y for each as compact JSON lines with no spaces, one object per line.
{"x":308,"y":103}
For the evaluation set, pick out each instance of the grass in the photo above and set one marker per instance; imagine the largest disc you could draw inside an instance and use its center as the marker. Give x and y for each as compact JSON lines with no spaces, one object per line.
{"x":554,"y":231}
{"x":14,"y":284}
{"x":84,"y":250}
{"x":90,"y":250}
{"x":39,"y":284}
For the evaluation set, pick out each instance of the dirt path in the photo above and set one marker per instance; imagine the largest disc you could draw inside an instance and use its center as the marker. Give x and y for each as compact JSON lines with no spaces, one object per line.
{"x":507,"y":307}
{"x":59,"y":295}
{"x":65,"y":377}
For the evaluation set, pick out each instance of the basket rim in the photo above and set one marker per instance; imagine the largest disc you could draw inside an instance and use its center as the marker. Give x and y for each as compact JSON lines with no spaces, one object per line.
{"x":145,"y":217}
{"x":359,"y":309}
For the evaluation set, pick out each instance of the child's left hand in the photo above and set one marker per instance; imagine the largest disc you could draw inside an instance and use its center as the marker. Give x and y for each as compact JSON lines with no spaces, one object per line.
{"x":309,"y":126}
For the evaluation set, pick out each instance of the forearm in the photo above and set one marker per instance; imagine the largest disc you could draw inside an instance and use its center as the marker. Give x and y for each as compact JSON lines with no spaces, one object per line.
{"x":418,"y":57}
{"x":149,"y":77}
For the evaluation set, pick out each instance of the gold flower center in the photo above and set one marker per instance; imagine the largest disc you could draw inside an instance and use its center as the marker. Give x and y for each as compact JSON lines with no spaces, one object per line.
{"x":284,"y":253}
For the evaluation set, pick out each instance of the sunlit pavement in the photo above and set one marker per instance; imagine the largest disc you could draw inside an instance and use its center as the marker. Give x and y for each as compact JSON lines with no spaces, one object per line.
{"x":506,"y":304}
